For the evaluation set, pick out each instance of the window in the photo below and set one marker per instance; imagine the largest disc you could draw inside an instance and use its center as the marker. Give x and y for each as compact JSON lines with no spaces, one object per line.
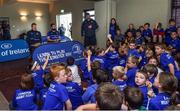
{"x":91,"y":12}
{"x":175,"y":11}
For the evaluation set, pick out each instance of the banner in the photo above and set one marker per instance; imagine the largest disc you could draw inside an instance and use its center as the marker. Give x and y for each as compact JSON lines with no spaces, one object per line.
{"x":13,"y":49}
{"x":59,"y":52}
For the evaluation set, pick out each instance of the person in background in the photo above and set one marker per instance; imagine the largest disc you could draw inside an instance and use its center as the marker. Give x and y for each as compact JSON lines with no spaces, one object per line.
{"x":147,"y":33}
{"x":53,"y":35}
{"x":62,"y":30}
{"x":119,"y":38}
{"x":113,"y":28}
{"x":131,"y":29}
{"x":158,"y":33}
{"x":33,"y":37}
{"x":88,"y":31}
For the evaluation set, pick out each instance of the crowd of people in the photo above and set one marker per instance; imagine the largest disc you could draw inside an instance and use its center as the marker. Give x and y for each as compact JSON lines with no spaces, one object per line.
{"x":130,"y":74}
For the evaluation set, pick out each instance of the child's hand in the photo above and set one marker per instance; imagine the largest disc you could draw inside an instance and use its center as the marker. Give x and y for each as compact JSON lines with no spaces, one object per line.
{"x":149,"y":84}
{"x":151,"y":93}
{"x":89,"y":53}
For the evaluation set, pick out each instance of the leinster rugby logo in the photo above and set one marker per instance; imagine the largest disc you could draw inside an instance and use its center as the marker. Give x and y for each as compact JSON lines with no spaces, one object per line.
{"x":6,"y":46}
{"x":76,"y":49}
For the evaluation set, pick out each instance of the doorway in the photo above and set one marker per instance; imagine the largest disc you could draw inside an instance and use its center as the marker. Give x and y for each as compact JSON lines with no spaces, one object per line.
{"x":65,"y":21}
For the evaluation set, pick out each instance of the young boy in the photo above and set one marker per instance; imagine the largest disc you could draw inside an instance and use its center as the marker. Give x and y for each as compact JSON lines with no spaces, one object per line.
{"x":139,"y":39}
{"x":108,"y":97}
{"x":133,"y":98}
{"x":140,"y":80}
{"x":174,"y":44}
{"x":75,"y":92}
{"x":57,"y":94}
{"x":147,"y":33}
{"x":99,"y":76}
{"x":131,"y":67}
{"x":119,"y":76}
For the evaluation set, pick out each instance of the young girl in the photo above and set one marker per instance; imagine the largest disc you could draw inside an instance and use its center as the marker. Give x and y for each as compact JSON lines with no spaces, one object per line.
{"x":25,"y":97}
{"x":140,"y":80}
{"x":112,"y":28}
{"x":119,"y":76}
{"x":167,"y":85}
{"x":158,"y":33}
{"x":153,"y":60}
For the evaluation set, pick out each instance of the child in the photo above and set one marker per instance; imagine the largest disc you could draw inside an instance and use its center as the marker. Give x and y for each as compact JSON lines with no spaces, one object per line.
{"x":57,"y":94}
{"x":147,"y":33}
{"x":123,"y":52}
{"x":131,"y":29}
{"x":132,"y":50}
{"x":112,"y":58}
{"x":99,"y":56}
{"x":119,"y":38}
{"x":174,"y":44}
{"x":119,"y":76}
{"x":99,"y":76}
{"x":158,"y":33}
{"x":140,"y":80}
{"x":108,"y":97}
{"x":25,"y":97}
{"x":131,"y":67}
{"x":74,"y":69}
{"x":113,"y":27}
{"x":167,"y":62}
{"x":43,"y":92}
{"x":133,"y":98}
{"x":139,"y":39}
{"x":74,"y":90}
{"x":154,"y":61}
{"x":38,"y":73}
{"x":167,"y":85}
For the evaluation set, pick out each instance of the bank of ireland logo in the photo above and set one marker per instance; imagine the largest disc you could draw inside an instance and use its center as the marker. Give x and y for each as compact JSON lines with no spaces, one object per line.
{"x":76,"y":49}
{"x":6,"y":46}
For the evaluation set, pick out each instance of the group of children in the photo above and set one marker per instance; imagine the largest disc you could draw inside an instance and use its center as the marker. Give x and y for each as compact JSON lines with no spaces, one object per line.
{"x":128,"y":75}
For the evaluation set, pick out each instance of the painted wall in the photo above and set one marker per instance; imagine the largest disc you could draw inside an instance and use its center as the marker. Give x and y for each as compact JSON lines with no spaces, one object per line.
{"x":141,"y":11}
{"x":74,"y":6}
{"x":18,"y":26}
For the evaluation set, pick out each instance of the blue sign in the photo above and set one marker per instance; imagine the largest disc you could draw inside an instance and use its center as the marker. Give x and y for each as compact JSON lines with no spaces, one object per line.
{"x":13,"y":49}
{"x":59,"y":52}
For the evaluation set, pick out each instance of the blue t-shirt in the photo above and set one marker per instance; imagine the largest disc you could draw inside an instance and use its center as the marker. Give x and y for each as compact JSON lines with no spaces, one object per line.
{"x":169,"y":30}
{"x":160,"y":102}
{"x":175,"y":43}
{"x":143,"y":61}
{"x":53,"y":34}
{"x":101,"y":59}
{"x":84,"y":69}
{"x":133,"y":52}
{"x":33,"y":37}
{"x":42,"y":94}
{"x":112,"y":58}
{"x":56,"y":97}
{"x":147,"y":33}
{"x":122,"y":61}
{"x":139,"y":40}
{"x":112,"y":31}
{"x":165,"y":60}
{"x":121,"y":84}
{"x":38,"y":78}
{"x":151,"y":79}
{"x":131,"y":73}
{"x":144,"y":90}
{"x":25,"y":100}
{"x":88,"y":96}
{"x":75,"y":93}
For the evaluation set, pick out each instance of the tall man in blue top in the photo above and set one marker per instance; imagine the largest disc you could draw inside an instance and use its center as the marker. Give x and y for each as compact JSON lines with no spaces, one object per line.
{"x":88,"y":31}
{"x":33,"y":37}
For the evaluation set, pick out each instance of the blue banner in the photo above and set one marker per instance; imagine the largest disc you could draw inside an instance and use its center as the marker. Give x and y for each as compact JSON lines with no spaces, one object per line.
{"x":13,"y":50}
{"x":59,"y":52}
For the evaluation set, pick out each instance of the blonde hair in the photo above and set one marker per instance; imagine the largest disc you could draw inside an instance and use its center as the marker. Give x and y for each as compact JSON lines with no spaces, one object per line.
{"x":118,"y":72}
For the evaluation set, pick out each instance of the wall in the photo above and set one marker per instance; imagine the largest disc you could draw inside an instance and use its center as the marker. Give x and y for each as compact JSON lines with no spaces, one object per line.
{"x":76,"y":7}
{"x":141,"y":11}
{"x":18,"y":26}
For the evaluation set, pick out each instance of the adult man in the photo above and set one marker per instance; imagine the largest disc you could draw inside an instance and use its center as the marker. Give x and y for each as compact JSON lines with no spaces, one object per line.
{"x":53,"y":35}
{"x":88,"y":31}
{"x":33,"y":37}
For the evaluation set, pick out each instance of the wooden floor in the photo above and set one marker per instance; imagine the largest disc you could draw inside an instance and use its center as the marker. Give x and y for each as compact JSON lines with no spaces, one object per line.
{"x":4,"y":104}
{"x":10,"y":73}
